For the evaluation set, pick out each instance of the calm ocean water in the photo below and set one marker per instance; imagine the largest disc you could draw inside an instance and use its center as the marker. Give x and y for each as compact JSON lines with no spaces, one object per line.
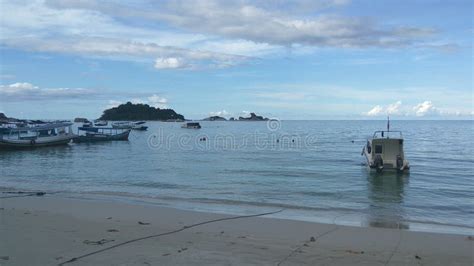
{"x":314,"y":171}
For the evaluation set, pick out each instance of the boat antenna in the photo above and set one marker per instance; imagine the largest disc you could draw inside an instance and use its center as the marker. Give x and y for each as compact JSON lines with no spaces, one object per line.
{"x":388,"y":123}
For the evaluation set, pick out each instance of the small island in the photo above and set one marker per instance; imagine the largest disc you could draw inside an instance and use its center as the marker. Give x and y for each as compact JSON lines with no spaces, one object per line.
{"x":215,"y":118}
{"x":133,"y":112}
{"x":3,"y":117}
{"x":253,"y":117}
{"x":81,"y":120}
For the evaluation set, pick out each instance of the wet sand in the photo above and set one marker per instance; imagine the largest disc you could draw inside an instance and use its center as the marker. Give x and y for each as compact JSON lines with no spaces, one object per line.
{"x":52,"y":229}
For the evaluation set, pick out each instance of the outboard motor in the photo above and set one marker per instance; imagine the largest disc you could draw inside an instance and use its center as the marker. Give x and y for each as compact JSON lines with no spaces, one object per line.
{"x":378,"y":163}
{"x":399,"y":162}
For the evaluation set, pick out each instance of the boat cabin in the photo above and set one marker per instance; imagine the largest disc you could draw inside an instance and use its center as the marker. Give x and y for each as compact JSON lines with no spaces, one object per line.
{"x":44,"y":135}
{"x":193,"y":125}
{"x":385,"y":151}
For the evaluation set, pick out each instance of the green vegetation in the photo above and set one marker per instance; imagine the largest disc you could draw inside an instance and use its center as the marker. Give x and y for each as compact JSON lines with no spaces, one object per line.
{"x":131,"y":112}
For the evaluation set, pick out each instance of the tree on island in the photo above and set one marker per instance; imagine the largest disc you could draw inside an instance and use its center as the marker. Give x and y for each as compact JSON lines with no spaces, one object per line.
{"x":131,"y":112}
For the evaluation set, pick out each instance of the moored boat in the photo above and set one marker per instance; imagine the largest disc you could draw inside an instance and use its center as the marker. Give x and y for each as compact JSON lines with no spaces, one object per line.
{"x":122,"y":125}
{"x":384,"y":151}
{"x":99,"y":123}
{"x":130,"y":125}
{"x":95,"y":134}
{"x":5,"y":128}
{"x":192,"y":125}
{"x":139,"y":126}
{"x":38,"y":136}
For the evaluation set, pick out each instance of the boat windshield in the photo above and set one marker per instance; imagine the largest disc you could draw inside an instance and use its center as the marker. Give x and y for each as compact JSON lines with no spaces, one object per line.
{"x":388,"y":134}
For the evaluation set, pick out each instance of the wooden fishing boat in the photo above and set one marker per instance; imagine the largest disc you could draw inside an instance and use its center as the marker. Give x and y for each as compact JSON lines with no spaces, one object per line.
{"x":94,"y":134}
{"x":38,"y":136}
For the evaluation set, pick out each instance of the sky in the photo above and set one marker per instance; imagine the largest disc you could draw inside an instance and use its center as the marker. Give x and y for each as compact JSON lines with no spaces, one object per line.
{"x":295,"y":59}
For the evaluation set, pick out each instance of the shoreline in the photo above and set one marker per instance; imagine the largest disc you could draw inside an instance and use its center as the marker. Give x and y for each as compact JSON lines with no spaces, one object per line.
{"x":52,"y":229}
{"x":223,"y":207}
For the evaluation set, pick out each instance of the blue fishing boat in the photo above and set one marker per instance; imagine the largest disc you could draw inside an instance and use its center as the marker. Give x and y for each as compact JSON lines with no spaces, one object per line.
{"x":94,"y":134}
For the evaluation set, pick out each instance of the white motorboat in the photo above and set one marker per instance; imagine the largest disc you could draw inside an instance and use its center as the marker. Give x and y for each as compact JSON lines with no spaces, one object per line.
{"x":384,"y":151}
{"x":38,"y":136}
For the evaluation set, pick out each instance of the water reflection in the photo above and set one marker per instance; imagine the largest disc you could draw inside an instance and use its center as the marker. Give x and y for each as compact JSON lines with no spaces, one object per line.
{"x":385,"y":195}
{"x":53,"y":152}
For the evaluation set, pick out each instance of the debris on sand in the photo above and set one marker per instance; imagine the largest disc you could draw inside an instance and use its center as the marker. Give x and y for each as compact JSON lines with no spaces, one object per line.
{"x":417,"y":257}
{"x":143,"y":223}
{"x":99,"y":242}
{"x":354,"y":252}
{"x":312,"y":239}
{"x":112,"y":230}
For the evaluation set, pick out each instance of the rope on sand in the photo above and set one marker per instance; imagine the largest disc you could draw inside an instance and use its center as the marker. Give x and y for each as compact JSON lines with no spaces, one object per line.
{"x":305,"y":244}
{"x":312,"y":239}
{"x":168,"y":233}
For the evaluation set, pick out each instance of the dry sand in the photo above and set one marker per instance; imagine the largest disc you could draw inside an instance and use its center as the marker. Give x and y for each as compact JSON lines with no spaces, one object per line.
{"x":49,"y":230}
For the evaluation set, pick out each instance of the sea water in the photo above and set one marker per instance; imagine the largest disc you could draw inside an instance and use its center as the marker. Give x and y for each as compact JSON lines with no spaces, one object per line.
{"x":312,"y":169}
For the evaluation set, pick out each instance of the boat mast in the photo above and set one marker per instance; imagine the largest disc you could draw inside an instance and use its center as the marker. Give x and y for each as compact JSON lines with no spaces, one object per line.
{"x":388,"y":123}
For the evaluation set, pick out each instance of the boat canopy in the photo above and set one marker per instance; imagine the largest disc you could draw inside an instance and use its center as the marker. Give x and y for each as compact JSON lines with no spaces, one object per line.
{"x":42,"y":127}
{"x":192,"y":124}
{"x":387,"y":134}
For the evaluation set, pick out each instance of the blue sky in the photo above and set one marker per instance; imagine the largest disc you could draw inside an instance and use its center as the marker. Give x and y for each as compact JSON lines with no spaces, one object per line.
{"x":299,"y":59}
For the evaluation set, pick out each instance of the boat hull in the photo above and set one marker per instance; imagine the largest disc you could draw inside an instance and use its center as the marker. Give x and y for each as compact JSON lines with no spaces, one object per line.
{"x":36,"y":143}
{"x":373,"y":167}
{"x":102,"y":137}
{"x":122,"y":126}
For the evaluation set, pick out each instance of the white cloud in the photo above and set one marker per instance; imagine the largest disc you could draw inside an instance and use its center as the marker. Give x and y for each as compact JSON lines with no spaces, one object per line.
{"x":391,"y":109}
{"x":425,"y":108}
{"x":245,"y":113}
{"x":170,"y":63}
{"x":137,"y":101}
{"x":394,"y":108}
{"x":222,"y":113}
{"x":260,"y":23}
{"x":153,"y":100}
{"x":24,"y":91}
{"x":377,"y":110}
{"x":212,"y":33}
{"x":113,"y":103}
{"x":157,"y":101}
{"x":65,"y":27}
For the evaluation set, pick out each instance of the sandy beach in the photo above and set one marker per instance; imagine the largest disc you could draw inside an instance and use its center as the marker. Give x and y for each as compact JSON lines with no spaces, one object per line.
{"x":53,"y":229}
